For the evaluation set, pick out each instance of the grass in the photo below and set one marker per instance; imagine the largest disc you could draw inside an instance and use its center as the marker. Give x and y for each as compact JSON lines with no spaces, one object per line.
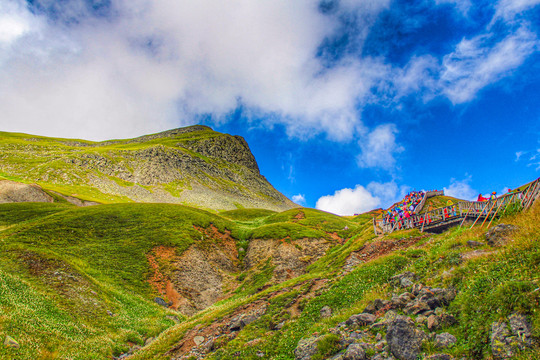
{"x":62,"y":268}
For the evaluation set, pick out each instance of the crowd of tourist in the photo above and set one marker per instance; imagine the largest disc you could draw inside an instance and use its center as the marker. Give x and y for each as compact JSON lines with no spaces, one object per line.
{"x":404,"y":209}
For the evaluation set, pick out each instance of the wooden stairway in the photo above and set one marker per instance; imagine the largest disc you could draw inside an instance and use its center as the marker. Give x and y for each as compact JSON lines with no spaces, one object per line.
{"x":443,"y":217}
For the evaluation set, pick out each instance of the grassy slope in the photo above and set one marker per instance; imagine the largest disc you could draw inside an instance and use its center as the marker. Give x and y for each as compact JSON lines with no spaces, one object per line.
{"x":63,"y":267}
{"x":102,"y":252}
{"x":490,"y":287}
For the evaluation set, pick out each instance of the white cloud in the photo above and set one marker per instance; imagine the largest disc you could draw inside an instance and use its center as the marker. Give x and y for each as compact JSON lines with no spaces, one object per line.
{"x":508,"y":9}
{"x":461,"y":189}
{"x":379,"y":147}
{"x":477,"y":62}
{"x":348,"y":201}
{"x":361,"y":199}
{"x":159,"y":64}
{"x":300,"y":199}
{"x":15,"y":21}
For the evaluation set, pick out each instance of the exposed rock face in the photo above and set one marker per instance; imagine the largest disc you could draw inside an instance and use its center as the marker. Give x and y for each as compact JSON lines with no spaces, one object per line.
{"x":199,"y":276}
{"x":233,"y":149}
{"x":355,"y":352}
{"x":11,"y":191}
{"x":290,"y":259}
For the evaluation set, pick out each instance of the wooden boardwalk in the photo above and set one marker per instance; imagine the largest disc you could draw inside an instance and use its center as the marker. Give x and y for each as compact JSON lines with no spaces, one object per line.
{"x":480,"y":212}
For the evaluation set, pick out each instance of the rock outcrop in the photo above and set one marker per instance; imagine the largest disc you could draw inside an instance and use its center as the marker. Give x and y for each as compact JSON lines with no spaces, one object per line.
{"x":12,"y":192}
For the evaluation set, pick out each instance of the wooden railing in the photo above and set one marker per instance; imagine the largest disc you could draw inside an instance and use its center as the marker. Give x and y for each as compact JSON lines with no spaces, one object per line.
{"x":461,"y":211}
{"x":427,"y":195}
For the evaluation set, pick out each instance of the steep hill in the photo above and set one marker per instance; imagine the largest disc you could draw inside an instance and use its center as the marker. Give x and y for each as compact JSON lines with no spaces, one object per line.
{"x":193,"y":166}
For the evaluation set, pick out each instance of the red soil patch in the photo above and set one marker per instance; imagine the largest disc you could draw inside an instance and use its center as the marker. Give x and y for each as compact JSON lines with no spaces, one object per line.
{"x":213,"y":232}
{"x":299,"y":216}
{"x":218,"y":328}
{"x":337,"y":238}
{"x":225,"y":239}
{"x":379,"y":248}
{"x":158,"y":280}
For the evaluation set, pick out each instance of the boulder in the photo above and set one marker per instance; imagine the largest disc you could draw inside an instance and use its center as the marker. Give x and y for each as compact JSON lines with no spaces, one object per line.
{"x":520,"y":327}
{"x":326,"y":312}
{"x":416,"y":307}
{"x":239,"y":322}
{"x":374,"y":306}
{"x":354,"y":352}
{"x":428,"y":296}
{"x":445,"y":340}
{"x":198,"y":340}
{"x":404,"y":340}
{"x":398,"y":302}
{"x":161,"y":302}
{"x":474,"y":244}
{"x":362,"y":319}
{"x":306,"y":348}
{"x":385,"y":320}
{"x":445,"y":296}
{"x":433,"y":323}
{"x":499,"y":235}
{"x":404,"y":279}
{"x":507,"y":340}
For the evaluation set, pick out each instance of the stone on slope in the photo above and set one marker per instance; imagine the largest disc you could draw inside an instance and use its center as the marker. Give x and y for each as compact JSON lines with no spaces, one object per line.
{"x":445,"y":340}
{"x":499,"y":235}
{"x":506,"y":340}
{"x":404,"y":340}
{"x":326,"y":312}
{"x":355,"y":352}
{"x":14,"y":192}
{"x":306,"y":348}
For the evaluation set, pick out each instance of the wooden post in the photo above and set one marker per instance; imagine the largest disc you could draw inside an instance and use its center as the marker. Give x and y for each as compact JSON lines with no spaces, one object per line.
{"x":470,"y":207}
{"x":489,"y":212}
{"x":484,"y":208}
{"x":493,"y":217}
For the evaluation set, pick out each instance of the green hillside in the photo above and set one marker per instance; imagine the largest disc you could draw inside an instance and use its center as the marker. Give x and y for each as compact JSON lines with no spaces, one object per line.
{"x":90,"y":275}
{"x":64,"y":268}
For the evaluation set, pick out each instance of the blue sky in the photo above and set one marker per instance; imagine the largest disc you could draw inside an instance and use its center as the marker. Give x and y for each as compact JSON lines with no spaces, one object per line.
{"x":345,"y":104}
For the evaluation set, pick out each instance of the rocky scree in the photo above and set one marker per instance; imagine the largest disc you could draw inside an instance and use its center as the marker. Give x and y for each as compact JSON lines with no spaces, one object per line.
{"x":398,"y":328}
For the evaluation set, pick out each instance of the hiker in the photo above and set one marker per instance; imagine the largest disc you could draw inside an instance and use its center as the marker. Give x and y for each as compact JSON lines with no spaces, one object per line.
{"x":493,"y":195}
{"x":481,"y":198}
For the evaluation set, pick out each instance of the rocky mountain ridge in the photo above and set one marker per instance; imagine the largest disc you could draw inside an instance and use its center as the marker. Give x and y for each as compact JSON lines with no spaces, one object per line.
{"x":194,"y":166}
